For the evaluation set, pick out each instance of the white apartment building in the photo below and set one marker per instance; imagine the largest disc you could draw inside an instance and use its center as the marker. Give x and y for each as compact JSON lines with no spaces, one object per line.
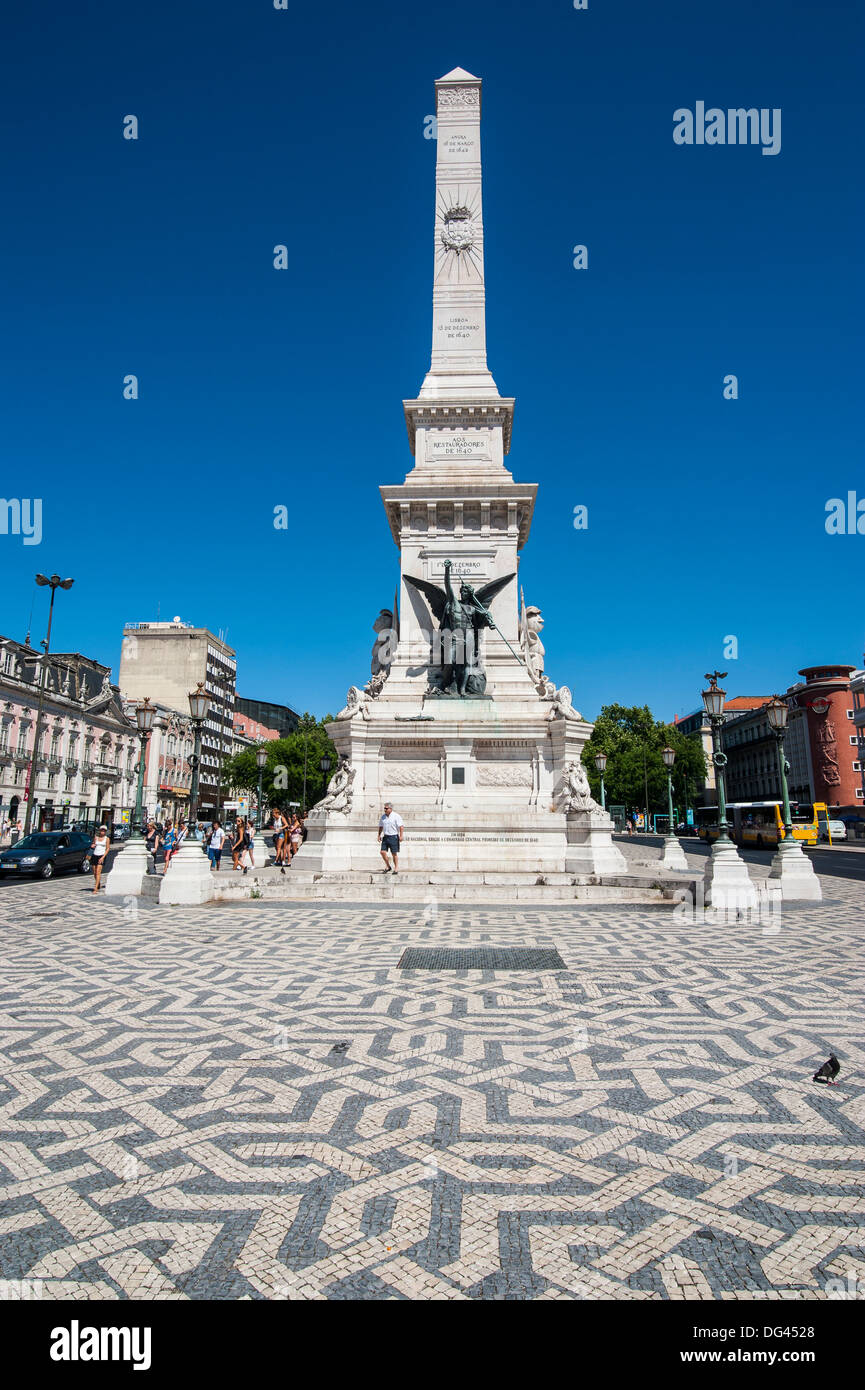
{"x":165,"y":661}
{"x":85,"y":768}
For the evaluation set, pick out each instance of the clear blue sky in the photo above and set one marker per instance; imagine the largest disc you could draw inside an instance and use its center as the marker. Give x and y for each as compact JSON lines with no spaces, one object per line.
{"x":259,"y":387}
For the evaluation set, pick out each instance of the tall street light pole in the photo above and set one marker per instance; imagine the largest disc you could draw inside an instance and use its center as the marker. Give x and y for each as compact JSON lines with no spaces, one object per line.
{"x":189,"y":878}
{"x":674,"y":855}
{"x":259,"y":848}
{"x":199,"y":704}
{"x":56,"y":583}
{"x":144,"y":716}
{"x":726,"y":883}
{"x":127,"y":874}
{"x":601,"y":764}
{"x":791,"y":866}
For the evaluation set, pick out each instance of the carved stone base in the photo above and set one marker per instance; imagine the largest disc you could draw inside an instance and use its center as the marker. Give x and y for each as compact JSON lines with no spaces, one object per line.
{"x":127,"y":875}
{"x":590,"y":847}
{"x":188,"y":879}
{"x":727,"y":886}
{"x":674,"y":855}
{"x":794,"y":871}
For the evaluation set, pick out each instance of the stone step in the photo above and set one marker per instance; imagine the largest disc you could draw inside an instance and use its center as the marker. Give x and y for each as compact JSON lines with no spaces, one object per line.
{"x":369,"y":888}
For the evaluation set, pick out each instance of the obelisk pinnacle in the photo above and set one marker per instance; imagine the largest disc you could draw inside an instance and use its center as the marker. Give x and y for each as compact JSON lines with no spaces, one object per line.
{"x":458,"y":369}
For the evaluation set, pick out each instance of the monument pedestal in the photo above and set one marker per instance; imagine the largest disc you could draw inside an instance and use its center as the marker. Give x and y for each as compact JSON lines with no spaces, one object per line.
{"x":188,"y":877}
{"x":794,"y":872}
{"x":590,"y":848}
{"x":260,"y":851}
{"x":129,"y":869}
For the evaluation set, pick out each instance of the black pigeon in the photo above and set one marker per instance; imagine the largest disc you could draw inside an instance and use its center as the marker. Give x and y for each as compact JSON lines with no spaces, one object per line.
{"x":827,"y":1073}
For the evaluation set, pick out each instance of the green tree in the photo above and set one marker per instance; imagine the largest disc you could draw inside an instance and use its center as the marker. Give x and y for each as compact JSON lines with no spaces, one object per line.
{"x":632,"y":740}
{"x":283,"y":776}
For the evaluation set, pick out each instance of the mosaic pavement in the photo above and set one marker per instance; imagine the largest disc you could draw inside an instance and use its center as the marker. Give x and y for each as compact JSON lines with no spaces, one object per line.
{"x":255,"y":1102}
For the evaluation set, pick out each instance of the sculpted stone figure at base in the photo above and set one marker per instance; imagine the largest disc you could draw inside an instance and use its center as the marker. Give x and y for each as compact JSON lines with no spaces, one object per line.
{"x":385,"y":642}
{"x":533,"y":647}
{"x":355,"y":703}
{"x":576,"y":794}
{"x":563,"y":707}
{"x":338,"y":796}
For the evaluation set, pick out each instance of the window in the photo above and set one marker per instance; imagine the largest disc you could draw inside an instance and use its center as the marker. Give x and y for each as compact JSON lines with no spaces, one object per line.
{"x":857,"y":767}
{"x":849,"y":713}
{"x":458,"y":776}
{"x":854,"y":740}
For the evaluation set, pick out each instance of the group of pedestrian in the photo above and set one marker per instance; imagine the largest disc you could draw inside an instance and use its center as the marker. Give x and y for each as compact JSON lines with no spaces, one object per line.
{"x":237,"y":838}
{"x":168,"y":838}
{"x":10,"y":833}
{"x":289,"y":833}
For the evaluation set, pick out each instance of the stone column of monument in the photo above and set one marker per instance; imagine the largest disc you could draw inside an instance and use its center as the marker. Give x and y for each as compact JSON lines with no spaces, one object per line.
{"x":484,"y":766}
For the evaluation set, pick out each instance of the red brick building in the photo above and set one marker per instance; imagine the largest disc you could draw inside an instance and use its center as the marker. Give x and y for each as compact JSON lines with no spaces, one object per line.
{"x":826,"y":699}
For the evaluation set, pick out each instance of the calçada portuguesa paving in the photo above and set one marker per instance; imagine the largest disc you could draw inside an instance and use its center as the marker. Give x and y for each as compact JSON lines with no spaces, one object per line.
{"x":256,"y":1102}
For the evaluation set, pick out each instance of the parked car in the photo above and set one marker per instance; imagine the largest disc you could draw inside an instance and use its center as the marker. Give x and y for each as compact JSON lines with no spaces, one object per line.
{"x":837,"y":829}
{"x":47,"y":852}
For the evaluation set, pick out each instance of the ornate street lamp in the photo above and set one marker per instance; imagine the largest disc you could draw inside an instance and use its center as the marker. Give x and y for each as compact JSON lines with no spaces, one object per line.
{"x":199,"y":704}
{"x":127,"y":874}
{"x":144,"y":716}
{"x":259,"y":847}
{"x":261,"y":760}
{"x":55,"y":583}
{"x":674,"y":855}
{"x":324,"y":764}
{"x":601,"y":765}
{"x":726,"y":881}
{"x":790,"y":865}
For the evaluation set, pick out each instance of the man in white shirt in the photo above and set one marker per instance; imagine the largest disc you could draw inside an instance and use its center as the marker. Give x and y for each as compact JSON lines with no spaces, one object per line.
{"x":390,"y":837}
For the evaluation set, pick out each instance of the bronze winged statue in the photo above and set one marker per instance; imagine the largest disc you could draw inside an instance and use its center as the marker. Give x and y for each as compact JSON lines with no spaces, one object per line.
{"x":460,"y":621}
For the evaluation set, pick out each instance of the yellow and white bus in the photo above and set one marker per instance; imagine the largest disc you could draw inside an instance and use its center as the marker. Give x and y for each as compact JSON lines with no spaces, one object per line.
{"x":758,"y":823}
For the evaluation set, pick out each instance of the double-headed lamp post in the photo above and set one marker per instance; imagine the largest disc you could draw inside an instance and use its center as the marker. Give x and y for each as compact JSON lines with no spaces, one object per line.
{"x":189,"y":878}
{"x":127,"y":874}
{"x":144,"y":716}
{"x":601,"y":765}
{"x":259,"y":846}
{"x":199,"y":704}
{"x":261,"y":760}
{"x":674,"y":855}
{"x":726,"y":882}
{"x":56,"y":583}
{"x":791,"y":865}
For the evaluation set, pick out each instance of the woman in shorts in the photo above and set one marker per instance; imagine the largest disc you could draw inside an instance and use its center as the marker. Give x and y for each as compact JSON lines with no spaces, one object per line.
{"x":98,"y":852}
{"x":279,"y":825}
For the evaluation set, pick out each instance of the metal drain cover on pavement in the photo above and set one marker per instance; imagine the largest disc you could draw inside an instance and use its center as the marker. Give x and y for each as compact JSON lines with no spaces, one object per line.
{"x":480,"y":958}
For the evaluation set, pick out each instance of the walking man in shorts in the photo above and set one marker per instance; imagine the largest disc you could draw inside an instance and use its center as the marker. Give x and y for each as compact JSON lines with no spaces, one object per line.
{"x":389,"y":837}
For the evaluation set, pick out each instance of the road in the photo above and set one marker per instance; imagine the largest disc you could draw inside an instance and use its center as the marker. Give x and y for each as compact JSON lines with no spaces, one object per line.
{"x":843,"y":862}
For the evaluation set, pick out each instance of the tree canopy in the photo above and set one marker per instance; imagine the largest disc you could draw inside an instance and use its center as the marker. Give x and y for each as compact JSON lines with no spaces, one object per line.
{"x":283,"y":776}
{"x":632,"y":740}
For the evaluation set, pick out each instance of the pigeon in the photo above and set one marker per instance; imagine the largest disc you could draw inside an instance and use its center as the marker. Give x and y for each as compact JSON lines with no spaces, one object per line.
{"x":827,"y":1073}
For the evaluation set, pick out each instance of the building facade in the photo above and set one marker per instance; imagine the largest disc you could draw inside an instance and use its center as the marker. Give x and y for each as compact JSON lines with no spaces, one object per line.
{"x":696,"y":725}
{"x":165,"y":662}
{"x":826,"y":700}
{"x":167,"y":764}
{"x":268,"y":715}
{"x":857,"y":692}
{"x":85,"y":770}
{"x":248,"y":731}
